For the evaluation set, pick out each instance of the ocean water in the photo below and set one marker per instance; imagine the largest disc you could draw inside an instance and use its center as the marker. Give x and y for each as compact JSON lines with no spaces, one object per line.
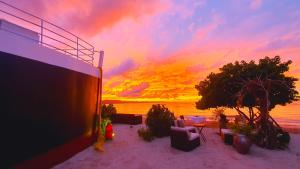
{"x":285,"y":115}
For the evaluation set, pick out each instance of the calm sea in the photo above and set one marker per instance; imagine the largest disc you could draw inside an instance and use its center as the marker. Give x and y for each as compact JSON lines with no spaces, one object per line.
{"x":285,"y":115}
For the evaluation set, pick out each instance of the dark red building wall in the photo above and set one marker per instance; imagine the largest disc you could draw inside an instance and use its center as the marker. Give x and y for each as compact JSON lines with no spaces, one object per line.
{"x":45,"y":110}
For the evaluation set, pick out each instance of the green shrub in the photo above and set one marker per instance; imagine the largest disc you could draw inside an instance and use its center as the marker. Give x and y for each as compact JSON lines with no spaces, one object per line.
{"x":243,"y":128}
{"x":108,"y":111}
{"x":146,"y":134}
{"x":159,"y":120}
{"x":283,"y":138}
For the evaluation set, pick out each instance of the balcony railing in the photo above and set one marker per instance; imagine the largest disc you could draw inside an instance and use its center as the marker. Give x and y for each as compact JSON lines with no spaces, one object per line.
{"x":50,"y":35}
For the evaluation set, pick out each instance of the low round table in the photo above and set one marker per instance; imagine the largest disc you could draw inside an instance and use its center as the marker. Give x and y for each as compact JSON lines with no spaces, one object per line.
{"x":200,"y":127}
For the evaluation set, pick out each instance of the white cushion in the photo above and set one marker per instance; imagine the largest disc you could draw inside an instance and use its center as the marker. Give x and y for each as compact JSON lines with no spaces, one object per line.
{"x":180,"y":123}
{"x":187,"y":128}
{"x":190,"y":128}
{"x":175,"y":123}
{"x":198,"y":119}
{"x":193,"y":136}
{"x":226,"y":131}
{"x":179,"y":128}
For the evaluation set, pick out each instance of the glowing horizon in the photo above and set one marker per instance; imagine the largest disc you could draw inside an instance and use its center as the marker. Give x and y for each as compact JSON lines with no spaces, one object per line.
{"x":159,"y":50}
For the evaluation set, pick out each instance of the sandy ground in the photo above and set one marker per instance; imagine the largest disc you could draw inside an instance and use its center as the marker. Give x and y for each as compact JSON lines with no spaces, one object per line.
{"x":128,"y":151}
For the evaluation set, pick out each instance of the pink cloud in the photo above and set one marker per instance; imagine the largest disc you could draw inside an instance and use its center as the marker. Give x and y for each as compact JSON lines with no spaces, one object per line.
{"x":106,"y":13}
{"x":89,"y":17}
{"x":38,"y":8}
{"x":205,"y":30}
{"x":186,"y":9}
{"x":279,"y":44}
{"x":134,"y":91}
{"x":255,"y":4}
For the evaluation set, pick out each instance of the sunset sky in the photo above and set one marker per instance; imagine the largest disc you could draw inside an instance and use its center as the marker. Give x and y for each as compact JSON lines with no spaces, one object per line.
{"x":159,"y":49}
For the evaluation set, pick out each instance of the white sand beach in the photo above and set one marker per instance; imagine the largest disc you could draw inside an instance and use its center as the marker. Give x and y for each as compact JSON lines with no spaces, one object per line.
{"x":128,"y":151}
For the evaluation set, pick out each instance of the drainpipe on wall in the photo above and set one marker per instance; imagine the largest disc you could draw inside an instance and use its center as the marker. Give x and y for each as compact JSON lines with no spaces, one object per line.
{"x":101,"y":57}
{"x":100,"y":140}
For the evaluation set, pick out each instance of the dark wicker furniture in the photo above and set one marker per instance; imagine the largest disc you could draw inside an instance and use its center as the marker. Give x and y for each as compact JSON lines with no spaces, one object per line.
{"x":184,"y":139}
{"x":127,"y":119}
{"x":227,"y":136}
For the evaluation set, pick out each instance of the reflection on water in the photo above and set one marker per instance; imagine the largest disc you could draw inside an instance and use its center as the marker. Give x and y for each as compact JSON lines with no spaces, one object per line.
{"x":289,"y":114}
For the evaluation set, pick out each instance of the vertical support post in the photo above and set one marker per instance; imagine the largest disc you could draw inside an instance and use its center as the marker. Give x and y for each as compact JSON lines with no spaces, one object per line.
{"x":42,"y":30}
{"x":100,"y":93}
{"x":101,"y":57}
{"x":100,"y":64}
{"x":77,"y":47}
{"x":100,"y":140}
{"x":93,"y":56}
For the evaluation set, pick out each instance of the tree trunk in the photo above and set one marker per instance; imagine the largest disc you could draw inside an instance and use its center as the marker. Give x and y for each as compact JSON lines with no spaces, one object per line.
{"x":241,"y":113}
{"x":251,"y":117}
{"x":267,"y":132}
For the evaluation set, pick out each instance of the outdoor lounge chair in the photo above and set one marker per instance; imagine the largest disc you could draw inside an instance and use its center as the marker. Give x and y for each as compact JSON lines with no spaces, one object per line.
{"x":184,"y":139}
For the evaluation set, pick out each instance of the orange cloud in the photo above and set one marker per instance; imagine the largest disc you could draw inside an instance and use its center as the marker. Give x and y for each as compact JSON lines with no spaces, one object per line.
{"x":171,"y":79}
{"x":203,"y":31}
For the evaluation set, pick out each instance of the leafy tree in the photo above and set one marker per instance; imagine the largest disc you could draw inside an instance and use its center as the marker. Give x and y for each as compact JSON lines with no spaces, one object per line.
{"x":222,"y":89}
{"x":108,"y":111}
{"x":247,"y":84}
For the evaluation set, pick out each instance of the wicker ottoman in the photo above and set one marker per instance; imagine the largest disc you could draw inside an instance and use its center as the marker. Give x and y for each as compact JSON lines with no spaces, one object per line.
{"x":227,"y":136}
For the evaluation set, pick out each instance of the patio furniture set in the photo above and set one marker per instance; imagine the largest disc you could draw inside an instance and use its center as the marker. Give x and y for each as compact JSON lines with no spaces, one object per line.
{"x":186,"y":133}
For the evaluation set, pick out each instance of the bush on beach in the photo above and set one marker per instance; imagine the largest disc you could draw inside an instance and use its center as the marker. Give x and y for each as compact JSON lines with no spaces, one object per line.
{"x":108,"y":111}
{"x":145,"y":134}
{"x":159,"y":120}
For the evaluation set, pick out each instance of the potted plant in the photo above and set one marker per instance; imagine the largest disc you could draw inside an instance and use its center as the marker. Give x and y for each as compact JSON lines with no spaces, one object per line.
{"x":241,"y":139}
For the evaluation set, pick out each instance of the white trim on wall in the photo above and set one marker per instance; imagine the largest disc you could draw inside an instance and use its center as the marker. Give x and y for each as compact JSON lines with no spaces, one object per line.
{"x":23,"y":47}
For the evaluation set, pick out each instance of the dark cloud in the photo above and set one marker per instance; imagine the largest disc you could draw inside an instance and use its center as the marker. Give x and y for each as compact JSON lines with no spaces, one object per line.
{"x":125,"y":66}
{"x":279,"y":44}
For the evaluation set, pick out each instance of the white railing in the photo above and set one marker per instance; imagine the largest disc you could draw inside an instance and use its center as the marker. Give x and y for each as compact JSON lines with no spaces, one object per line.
{"x":50,"y":35}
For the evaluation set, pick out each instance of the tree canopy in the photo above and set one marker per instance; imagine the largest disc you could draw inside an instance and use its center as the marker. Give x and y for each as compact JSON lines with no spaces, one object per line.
{"x":261,"y":85}
{"x":222,"y":89}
